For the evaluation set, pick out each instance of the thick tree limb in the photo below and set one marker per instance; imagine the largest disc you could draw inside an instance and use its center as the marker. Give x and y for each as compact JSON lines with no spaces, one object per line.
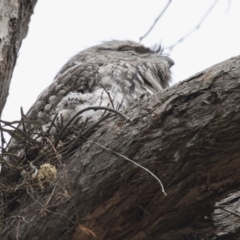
{"x":189,"y":136}
{"x":14,"y":19}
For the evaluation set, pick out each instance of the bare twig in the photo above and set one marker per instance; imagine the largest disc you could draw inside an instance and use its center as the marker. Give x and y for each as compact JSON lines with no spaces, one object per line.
{"x":61,"y":121}
{"x":96,"y":123}
{"x":52,"y":123}
{"x":3,"y":141}
{"x":224,"y":209}
{"x":108,"y":96}
{"x":86,"y":131}
{"x":38,"y":158}
{"x":7,"y":123}
{"x":6,"y":162}
{"x":43,"y":210}
{"x":54,"y":149}
{"x":156,"y":20}
{"x":47,"y":210}
{"x":70,"y":153}
{"x":17,"y":130}
{"x":128,"y":159}
{"x":61,"y":134}
{"x":22,"y":117}
{"x":195,"y":28}
{"x":77,"y":138}
{"x":104,"y":111}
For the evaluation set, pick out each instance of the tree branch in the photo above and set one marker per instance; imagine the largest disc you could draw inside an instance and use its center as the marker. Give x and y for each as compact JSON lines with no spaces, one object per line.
{"x":156,"y":20}
{"x":195,"y":28}
{"x":188,"y":136}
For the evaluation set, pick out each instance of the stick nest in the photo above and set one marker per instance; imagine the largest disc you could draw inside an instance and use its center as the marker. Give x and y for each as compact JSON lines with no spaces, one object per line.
{"x":30,"y":160}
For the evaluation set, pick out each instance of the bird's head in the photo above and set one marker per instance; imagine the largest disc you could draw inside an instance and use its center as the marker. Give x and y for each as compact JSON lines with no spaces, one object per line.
{"x":149,"y":64}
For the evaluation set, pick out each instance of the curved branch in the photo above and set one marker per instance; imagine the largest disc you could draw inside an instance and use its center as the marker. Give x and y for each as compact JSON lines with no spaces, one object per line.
{"x":61,"y":134}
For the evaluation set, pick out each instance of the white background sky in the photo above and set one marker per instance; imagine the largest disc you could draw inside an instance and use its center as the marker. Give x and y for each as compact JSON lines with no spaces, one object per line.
{"x":61,"y":28}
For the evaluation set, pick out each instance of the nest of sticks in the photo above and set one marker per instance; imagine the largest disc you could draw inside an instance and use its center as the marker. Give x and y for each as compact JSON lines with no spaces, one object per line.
{"x":30,"y":161}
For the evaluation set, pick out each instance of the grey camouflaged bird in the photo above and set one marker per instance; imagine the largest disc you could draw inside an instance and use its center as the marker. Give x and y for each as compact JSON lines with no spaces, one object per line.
{"x":124,"y":69}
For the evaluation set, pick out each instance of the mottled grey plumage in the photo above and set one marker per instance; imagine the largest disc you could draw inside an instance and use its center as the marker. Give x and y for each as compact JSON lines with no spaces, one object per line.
{"x":126,"y":69}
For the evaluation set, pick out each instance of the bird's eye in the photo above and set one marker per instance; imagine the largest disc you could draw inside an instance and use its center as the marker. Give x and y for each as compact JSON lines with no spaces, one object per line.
{"x":136,"y":49}
{"x":125,"y":48}
{"x":142,"y":50}
{"x":170,"y":61}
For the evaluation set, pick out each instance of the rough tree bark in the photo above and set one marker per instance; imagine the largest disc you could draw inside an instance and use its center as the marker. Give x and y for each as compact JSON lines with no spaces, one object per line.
{"x":14,"y":19}
{"x":188,"y":136}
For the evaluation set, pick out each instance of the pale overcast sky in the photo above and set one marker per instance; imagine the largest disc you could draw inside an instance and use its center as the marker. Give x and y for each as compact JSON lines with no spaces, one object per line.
{"x":60,"y":28}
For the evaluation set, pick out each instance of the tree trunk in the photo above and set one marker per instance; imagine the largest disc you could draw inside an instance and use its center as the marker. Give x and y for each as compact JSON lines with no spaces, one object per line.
{"x":14,"y":19}
{"x":188,"y":136}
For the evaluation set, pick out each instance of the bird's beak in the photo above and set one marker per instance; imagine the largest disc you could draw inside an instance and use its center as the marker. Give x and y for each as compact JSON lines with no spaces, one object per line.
{"x":170,"y":62}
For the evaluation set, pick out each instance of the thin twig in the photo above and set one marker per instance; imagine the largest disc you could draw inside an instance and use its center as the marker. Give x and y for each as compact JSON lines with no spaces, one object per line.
{"x":38,"y":158}
{"x":61,"y":121}
{"x":52,"y":124}
{"x":77,"y":138}
{"x":3,"y":141}
{"x":105,"y":111}
{"x":11,"y":155}
{"x":43,"y":210}
{"x":156,"y":20}
{"x":47,"y":210}
{"x":54,"y":149}
{"x":82,"y":133}
{"x":195,"y":28}
{"x":22,"y":117}
{"x":224,"y":209}
{"x":17,"y":130}
{"x":95,"y":124}
{"x":109,"y":96}
{"x":61,"y":134}
{"x":70,"y":153}
{"x":6,"y":162}
{"x":7,"y":123}
{"x":145,"y":169}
